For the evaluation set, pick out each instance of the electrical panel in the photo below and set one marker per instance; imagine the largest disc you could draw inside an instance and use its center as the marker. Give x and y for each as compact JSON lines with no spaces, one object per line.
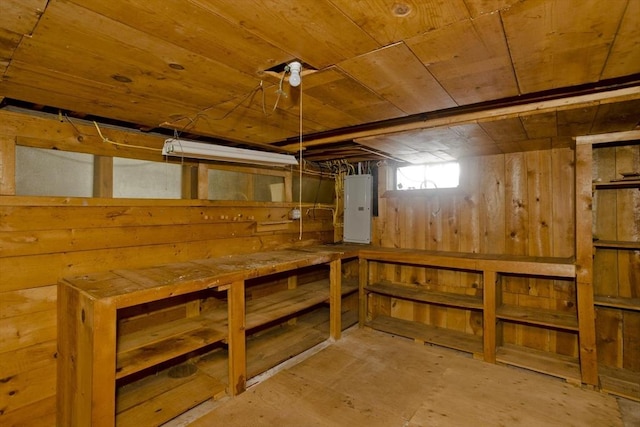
{"x":357,"y":208}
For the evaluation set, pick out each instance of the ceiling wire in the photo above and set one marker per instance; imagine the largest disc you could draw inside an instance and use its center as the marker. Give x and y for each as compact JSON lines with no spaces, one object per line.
{"x":300,"y":165}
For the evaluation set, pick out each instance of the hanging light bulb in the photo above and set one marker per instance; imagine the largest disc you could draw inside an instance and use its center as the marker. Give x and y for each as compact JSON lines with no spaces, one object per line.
{"x":294,"y":69}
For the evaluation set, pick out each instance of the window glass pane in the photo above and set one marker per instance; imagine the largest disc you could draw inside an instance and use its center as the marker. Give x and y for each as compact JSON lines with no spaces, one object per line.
{"x":268,"y":188}
{"x":229,"y":185}
{"x":434,"y":175}
{"x":314,"y":189}
{"x":147,"y":180}
{"x":41,"y":172}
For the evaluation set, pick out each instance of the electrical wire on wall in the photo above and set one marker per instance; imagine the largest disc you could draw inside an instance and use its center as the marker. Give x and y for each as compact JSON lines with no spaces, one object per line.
{"x":106,"y":139}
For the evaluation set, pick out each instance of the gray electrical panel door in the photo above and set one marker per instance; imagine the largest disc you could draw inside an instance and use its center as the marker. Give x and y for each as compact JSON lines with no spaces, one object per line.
{"x":357,"y":208}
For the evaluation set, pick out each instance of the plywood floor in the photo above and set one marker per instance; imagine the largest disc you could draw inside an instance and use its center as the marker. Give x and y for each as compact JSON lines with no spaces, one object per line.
{"x":374,"y":379}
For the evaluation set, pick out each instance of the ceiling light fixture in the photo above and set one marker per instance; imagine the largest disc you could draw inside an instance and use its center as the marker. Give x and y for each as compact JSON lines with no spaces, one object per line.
{"x":199,"y":150}
{"x":294,"y":69}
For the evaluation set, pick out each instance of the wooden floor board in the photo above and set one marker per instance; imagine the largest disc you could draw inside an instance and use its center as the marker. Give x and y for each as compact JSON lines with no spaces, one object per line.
{"x":371,"y":378}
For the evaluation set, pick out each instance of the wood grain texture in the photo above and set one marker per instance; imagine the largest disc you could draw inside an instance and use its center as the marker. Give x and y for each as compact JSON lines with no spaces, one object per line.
{"x":539,"y":23}
{"x":7,"y":166}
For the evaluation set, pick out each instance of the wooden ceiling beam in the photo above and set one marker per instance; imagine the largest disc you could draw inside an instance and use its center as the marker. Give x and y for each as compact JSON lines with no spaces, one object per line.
{"x":487,"y":115}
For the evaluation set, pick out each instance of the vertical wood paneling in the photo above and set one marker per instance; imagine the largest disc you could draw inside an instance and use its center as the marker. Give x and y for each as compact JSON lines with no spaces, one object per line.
{"x":517,"y":220}
{"x":631,"y":341}
{"x":517,"y":204}
{"x":516,"y":199}
{"x":7,"y":166}
{"x":609,"y":330}
{"x":563,"y":194}
{"x":627,"y":214}
{"x":539,"y":191}
{"x":605,"y":265}
{"x":491,"y":176}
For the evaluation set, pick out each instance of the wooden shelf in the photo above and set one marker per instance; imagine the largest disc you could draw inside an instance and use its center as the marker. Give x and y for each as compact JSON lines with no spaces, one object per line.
{"x":278,"y":305}
{"x":275,"y":345}
{"x":616,"y":244}
{"x":620,"y":382}
{"x":618,"y":302}
{"x":516,"y":264}
{"x":349,"y":286}
{"x":614,"y":185}
{"x":159,"y":398}
{"x":548,"y":363}
{"x":151,"y":346}
{"x":415,"y":293}
{"x":538,"y":317}
{"x":431,"y":334}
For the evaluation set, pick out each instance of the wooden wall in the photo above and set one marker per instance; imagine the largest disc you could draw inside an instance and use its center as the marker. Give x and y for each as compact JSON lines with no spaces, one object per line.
{"x":616,"y":273}
{"x":517,"y":203}
{"x":45,"y":238}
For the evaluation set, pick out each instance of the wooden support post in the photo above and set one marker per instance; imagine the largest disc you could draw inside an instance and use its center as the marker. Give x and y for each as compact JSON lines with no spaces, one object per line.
{"x":203,"y":181}
{"x":584,"y":264}
{"x":7,"y":166}
{"x":490,"y":297}
{"x":292,"y":283}
{"x":103,"y":177}
{"x":86,"y":390}
{"x":335,"y":299}
{"x":363,"y":278}
{"x":237,"y":338}
{"x":189,"y":182}
{"x":288,"y":187}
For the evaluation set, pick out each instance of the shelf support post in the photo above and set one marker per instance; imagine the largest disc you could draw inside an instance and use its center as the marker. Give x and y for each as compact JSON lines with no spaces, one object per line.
{"x":237,"y":338}
{"x":489,"y":315}
{"x":335,"y":299}
{"x":584,"y":264}
{"x":86,"y":359}
{"x":363,"y":280}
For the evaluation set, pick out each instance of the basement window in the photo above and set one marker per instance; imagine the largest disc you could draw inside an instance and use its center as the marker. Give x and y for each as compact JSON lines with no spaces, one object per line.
{"x":428,"y":176}
{"x":43,"y":172}
{"x":141,"y":179}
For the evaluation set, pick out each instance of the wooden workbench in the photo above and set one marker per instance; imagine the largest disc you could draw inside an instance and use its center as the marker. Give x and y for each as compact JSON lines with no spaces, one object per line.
{"x":92,"y":355}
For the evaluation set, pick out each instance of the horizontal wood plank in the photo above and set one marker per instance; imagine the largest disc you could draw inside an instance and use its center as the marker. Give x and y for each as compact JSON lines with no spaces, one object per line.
{"x":617,"y":244}
{"x":540,"y":361}
{"x":618,"y":302}
{"x":621,"y":382}
{"x":419,"y":331}
{"x":539,"y":317}
{"x":281,"y":304}
{"x":516,"y":264}
{"x":149,"y":347}
{"x":615,"y":185}
{"x":417,"y":293}
{"x":162,"y":398}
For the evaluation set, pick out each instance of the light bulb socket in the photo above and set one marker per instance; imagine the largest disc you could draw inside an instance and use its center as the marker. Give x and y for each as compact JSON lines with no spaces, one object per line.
{"x":295,"y":68}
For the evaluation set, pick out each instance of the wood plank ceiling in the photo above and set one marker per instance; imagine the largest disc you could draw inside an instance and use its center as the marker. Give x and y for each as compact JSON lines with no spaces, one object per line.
{"x":418,"y":81}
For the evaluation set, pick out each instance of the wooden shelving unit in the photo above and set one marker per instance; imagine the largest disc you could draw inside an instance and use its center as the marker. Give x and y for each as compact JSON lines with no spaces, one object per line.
{"x":607,"y":262}
{"x":488,"y":345}
{"x":117,"y":373}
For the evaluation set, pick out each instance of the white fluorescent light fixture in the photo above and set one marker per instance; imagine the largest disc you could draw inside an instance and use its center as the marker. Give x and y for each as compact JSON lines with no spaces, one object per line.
{"x":199,"y":150}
